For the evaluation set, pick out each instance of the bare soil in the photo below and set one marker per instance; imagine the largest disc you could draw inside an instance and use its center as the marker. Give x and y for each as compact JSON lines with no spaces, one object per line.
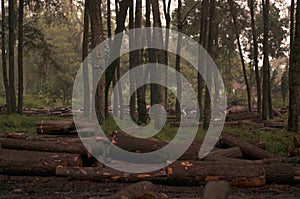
{"x":55,"y":187}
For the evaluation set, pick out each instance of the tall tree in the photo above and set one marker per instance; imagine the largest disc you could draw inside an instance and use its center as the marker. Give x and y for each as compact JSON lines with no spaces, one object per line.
{"x":267,"y":101}
{"x":20,"y":57}
{"x":132,"y":64}
{"x":85,"y":67}
{"x":255,"y":55}
{"x":234,"y":18}
{"x":4,"y":65}
{"x":141,"y":92}
{"x":294,"y":81}
{"x":203,"y":42}
{"x":97,"y":38}
{"x":12,"y":21}
{"x":209,"y":75}
{"x":178,"y":78}
{"x":158,"y":41}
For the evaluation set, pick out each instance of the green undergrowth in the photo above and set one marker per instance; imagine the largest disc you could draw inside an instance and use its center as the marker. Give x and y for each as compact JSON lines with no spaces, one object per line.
{"x":277,"y":142}
{"x":21,"y":123}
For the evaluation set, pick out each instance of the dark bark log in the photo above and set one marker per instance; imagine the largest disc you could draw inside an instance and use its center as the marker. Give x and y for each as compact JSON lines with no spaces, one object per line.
{"x":243,"y":116}
{"x":56,"y":127}
{"x":248,"y":150}
{"x":58,"y":146}
{"x":134,"y":191}
{"x":279,"y":173}
{"x":24,"y":163}
{"x":274,"y":124}
{"x":251,"y":124}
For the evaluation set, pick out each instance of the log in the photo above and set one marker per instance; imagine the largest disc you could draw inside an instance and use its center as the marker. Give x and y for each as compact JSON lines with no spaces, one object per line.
{"x":55,"y":127}
{"x":216,"y":190}
{"x":274,"y":124}
{"x":179,"y":173}
{"x":248,"y":150}
{"x":134,"y":191}
{"x":28,"y":163}
{"x":280,"y":173}
{"x":233,"y":152}
{"x":187,"y":124}
{"x":58,"y":146}
{"x":243,"y":116}
{"x":251,"y":124}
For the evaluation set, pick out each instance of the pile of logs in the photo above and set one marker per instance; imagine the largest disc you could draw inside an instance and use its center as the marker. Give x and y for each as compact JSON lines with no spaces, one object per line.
{"x":237,"y":162}
{"x":66,"y":127}
{"x":59,"y":112}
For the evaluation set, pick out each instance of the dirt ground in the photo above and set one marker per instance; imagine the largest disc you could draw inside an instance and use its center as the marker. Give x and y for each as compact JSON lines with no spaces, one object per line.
{"x":55,"y":187}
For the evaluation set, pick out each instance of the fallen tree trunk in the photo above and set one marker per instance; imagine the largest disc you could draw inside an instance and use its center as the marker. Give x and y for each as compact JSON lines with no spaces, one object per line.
{"x":274,"y":124}
{"x":55,"y":127}
{"x":242,"y":116}
{"x":248,"y":150}
{"x":13,"y":162}
{"x":251,"y":124}
{"x":179,"y":173}
{"x":58,"y":146}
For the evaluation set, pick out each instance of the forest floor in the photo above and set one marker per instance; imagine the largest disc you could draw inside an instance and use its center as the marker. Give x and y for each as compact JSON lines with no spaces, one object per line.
{"x":55,"y":187}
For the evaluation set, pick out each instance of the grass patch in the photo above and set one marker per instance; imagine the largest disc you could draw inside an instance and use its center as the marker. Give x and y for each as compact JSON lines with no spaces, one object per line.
{"x":21,"y":123}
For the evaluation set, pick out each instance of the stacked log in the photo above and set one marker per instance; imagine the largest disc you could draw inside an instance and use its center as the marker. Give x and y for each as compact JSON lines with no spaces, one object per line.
{"x":274,"y":124}
{"x":243,"y":116}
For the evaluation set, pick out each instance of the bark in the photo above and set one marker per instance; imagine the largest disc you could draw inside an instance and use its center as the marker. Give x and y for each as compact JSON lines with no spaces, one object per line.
{"x":243,"y":116}
{"x":279,"y":173}
{"x":266,"y":65}
{"x":27,"y":163}
{"x":85,"y":51}
{"x":274,"y":124}
{"x":4,"y":65}
{"x":141,"y":92}
{"x":201,"y":63}
{"x":255,"y":50}
{"x":132,"y":63}
{"x":209,"y":75}
{"x":11,"y":45}
{"x":97,"y":38}
{"x":55,"y":127}
{"x":20,"y":58}
{"x":159,"y":73}
{"x":57,"y":146}
{"x":248,"y":150}
{"x":294,"y":81}
{"x":234,"y":18}
{"x":296,"y":141}
{"x":178,"y":78}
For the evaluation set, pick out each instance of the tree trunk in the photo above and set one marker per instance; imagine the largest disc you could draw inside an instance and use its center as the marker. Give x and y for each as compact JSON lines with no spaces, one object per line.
{"x":56,"y":146}
{"x":4,"y":65}
{"x":294,"y":81}
{"x":178,"y":78}
{"x":11,"y":45}
{"x":201,"y":63}
{"x":234,"y":18}
{"x":209,"y":75}
{"x":160,"y":76}
{"x":85,"y":67}
{"x":28,"y":163}
{"x":255,"y":49}
{"x":266,"y":64}
{"x":132,"y":63}
{"x":141,"y":92}
{"x":97,"y":38}
{"x":20,"y":58}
